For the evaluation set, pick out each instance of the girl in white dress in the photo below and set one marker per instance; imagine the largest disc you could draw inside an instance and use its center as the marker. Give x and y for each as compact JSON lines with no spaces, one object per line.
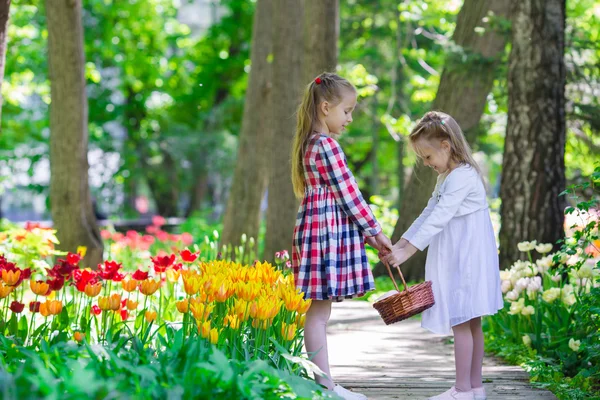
{"x":462,"y":260}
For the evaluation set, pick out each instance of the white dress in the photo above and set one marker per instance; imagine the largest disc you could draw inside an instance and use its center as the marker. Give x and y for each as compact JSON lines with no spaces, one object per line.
{"x":462,"y":261}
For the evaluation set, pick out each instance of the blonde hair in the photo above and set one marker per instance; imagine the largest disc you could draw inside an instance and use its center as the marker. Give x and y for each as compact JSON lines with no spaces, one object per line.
{"x":441,"y":126}
{"x":325,"y":87}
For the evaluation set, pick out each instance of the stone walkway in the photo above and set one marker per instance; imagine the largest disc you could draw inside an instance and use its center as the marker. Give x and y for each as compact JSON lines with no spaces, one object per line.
{"x":404,"y":361}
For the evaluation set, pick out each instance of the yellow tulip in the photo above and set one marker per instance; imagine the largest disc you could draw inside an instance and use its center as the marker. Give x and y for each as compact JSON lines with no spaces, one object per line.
{"x":149,"y":287}
{"x":300,"y":320}
{"x":173,"y":275}
{"x":11,"y":277}
{"x":38,"y":287}
{"x":223,"y":293}
{"x":304,"y":306}
{"x":191,"y":283}
{"x":93,"y":290}
{"x":232,"y":321}
{"x":241,"y":309}
{"x":288,"y":332}
{"x":5,"y":290}
{"x":129,"y":285}
{"x":150,"y":316}
{"x":204,"y":329}
{"x":110,"y":303}
{"x":214,"y":336}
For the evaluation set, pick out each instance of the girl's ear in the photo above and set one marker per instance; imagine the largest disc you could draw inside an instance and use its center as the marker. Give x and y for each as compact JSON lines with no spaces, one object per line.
{"x":446,"y":145}
{"x":324,"y":107}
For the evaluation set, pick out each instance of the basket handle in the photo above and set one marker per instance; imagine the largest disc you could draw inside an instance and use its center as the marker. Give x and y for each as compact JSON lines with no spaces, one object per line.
{"x":392,"y":276}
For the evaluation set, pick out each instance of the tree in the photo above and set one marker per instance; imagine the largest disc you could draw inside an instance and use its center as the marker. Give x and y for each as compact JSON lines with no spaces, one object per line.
{"x":467,"y":79}
{"x":533,"y":170}
{"x":321,"y":32}
{"x":285,"y":97}
{"x":70,"y":199}
{"x":251,"y":171}
{"x":4,"y":8}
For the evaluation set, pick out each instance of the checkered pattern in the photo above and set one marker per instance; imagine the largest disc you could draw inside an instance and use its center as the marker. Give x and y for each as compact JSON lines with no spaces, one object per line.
{"x":328,"y":256}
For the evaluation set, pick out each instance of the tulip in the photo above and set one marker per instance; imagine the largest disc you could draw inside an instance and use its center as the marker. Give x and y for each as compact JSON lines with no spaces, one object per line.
{"x":11,"y":278}
{"x":129,"y":285}
{"x":149,"y":287}
{"x":93,"y":290}
{"x":40,"y":288}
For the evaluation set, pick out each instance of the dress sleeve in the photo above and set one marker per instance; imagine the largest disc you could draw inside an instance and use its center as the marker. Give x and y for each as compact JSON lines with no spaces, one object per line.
{"x":333,"y":169}
{"x":414,"y":227}
{"x":457,"y":187}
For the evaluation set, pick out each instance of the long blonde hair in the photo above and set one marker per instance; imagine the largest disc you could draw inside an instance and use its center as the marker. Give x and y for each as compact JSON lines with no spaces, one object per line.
{"x":325,"y":87}
{"x":441,"y":126}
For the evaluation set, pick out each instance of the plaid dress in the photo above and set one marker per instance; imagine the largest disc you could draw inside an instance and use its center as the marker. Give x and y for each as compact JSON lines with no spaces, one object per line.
{"x":328,"y":254}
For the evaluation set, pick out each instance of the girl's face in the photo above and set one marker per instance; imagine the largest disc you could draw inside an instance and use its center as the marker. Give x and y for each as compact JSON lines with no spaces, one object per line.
{"x":435,"y":154}
{"x":338,"y":117}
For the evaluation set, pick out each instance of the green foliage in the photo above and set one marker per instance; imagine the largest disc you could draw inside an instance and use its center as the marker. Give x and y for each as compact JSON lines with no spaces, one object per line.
{"x":177,"y":370}
{"x":555,"y":306}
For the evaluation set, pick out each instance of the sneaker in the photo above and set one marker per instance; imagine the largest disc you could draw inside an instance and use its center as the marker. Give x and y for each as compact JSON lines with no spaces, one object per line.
{"x":453,"y":394}
{"x":479,"y":393}
{"x":347,"y":394}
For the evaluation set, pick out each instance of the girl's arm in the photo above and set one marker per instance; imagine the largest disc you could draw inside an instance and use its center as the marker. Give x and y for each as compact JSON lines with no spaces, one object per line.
{"x":458,"y":186}
{"x":414,"y":227}
{"x":333,"y":168}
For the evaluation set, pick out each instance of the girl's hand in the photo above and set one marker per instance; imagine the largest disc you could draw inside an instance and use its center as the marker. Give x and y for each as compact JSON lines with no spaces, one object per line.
{"x":380,"y":242}
{"x":398,"y":256}
{"x":400,"y":243}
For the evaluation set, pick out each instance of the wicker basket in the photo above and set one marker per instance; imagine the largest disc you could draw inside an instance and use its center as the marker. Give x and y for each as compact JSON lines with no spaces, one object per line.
{"x":405,"y":304}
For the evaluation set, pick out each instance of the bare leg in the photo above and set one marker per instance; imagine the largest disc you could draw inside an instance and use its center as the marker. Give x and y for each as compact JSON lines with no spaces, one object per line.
{"x":477,"y":361}
{"x":463,"y":355}
{"x":315,"y":338}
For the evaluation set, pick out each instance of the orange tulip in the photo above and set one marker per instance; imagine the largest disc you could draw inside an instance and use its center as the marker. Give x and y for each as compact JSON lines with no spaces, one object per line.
{"x":55,"y":307}
{"x":11,"y":277}
{"x":131,"y":305}
{"x":38,"y":287}
{"x":5,"y":290}
{"x":44,"y":309}
{"x":78,"y":336}
{"x":183,"y":306}
{"x":129,"y":285}
{"x":150,"y":316}
{"x":110,"y":303}
{"x":149,"y":287}
{"x":93,"y":290}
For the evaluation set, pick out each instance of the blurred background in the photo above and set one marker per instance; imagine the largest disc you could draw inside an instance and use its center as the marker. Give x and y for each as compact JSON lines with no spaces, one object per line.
{"x":185,"y":110}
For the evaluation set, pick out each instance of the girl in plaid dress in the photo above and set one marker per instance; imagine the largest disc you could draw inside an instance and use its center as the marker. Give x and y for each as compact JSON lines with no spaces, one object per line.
{"x":334,"y":220}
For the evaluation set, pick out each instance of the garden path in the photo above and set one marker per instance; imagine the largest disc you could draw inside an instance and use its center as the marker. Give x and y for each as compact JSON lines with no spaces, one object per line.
{"x":404,"y":361}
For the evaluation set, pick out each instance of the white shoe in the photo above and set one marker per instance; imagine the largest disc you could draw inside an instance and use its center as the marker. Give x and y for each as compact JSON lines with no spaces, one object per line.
{"x":453,"y":394}
{"x":479,"y":393}
{"x":347,"y":394}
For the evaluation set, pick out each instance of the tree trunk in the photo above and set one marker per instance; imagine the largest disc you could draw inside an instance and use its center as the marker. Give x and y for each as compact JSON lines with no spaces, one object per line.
{"x":71,"y":204}
{"x":252,"y":170}
{"x":462,"y":93}
{"x":4,"y":9}
{"x":533,"y":168}
{"x":321,"y":32}
{"x":285,"y":97}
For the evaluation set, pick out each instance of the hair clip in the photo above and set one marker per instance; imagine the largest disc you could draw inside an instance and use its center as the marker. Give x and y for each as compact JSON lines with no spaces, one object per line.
{"x":318,"y":80}
{"x":442,"y":122}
